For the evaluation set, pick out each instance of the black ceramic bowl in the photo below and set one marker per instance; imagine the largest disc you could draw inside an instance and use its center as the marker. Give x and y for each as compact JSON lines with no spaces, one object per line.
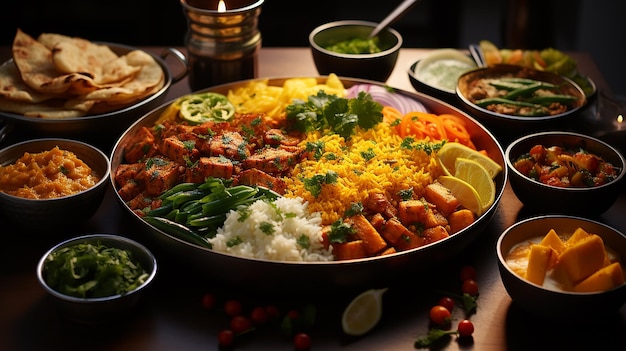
{"x":272,"y":277}
{"x":112,"y":308}
{"x":56,"y":214}
{"x":542,"y":198}
{"x":376,"y":67}
{"x":508,"y":121}
{"x":552,"y":304}
{"x":102,"y":127}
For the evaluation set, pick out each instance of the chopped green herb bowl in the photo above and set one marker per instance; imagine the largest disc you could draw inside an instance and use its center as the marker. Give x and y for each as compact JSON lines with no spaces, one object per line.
{"x":375,"y":66}
{"x":113,"y":272}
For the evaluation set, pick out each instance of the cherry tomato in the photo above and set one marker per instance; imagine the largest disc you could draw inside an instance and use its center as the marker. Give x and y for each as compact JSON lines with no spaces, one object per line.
{"x":240,"y":324}
{"x":302,"y":342}
{"x":440,"y":315}
{"x":293,"y":314}
{"x":208,"y":301}
{"x":233,"y":307}
{"x":273,"y":313}
{"x":226,"y":338}
{"x":259,"y":315}
{"x":465,"y":328}
{"x":467,"y":272}
{"x":447,"y":302}
{"x":470,"y":286}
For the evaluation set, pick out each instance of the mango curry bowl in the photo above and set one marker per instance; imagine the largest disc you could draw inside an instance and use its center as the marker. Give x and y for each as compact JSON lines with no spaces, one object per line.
{"x":51,"y":184}
{"x":96,"y":278}
{"x":563,"y":267}
{"x":344,"y":48}
{"x":565,"y":173}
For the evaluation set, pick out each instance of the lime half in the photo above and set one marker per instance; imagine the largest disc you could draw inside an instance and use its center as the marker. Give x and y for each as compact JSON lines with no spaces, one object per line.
{"x":363,"y":313}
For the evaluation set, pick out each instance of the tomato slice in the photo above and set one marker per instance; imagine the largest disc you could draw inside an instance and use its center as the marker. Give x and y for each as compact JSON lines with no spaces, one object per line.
{"x":203,"y":107}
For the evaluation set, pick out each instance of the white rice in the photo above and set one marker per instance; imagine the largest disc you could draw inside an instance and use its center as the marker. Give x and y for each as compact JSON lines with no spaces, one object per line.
{"x":289,"y":220}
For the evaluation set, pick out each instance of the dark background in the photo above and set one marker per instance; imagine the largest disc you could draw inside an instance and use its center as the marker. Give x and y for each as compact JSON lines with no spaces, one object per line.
{"x":576,"y":25}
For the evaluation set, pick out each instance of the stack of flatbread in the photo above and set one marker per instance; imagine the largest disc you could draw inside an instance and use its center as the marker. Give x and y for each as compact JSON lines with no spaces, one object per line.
{"x":57,"y":76}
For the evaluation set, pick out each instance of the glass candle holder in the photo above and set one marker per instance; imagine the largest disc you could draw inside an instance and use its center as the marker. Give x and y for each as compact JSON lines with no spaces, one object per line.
{"x":222,"y":40}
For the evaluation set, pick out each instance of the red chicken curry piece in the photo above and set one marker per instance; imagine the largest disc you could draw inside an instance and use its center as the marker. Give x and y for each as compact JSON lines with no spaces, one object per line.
{"x":244,"y":149}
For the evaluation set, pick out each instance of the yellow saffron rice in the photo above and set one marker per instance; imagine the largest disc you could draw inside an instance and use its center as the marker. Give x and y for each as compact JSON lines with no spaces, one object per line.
{"x":371,"y":161}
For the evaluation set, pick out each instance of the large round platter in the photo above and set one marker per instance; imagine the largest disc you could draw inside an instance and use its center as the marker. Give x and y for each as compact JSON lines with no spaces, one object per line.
{"x":317,"y":277}
{"x":106,"y":126}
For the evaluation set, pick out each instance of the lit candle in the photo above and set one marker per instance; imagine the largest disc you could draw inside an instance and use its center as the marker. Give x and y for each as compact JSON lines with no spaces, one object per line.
{"x":619,"y":121}
{"x":222,"y":42}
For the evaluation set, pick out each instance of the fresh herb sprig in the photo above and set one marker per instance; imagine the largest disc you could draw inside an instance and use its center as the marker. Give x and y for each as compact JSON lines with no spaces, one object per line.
{"x":326,"y":112}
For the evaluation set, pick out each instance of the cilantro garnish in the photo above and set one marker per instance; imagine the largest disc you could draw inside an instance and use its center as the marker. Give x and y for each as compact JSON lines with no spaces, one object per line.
{"x":314,"y":184}
{"x":354,"y":209}
{"x":325,"y":112}
{"x":406,"y":194}
{"x":339,"y":232}
{"x":267,"y":228}
{"x":368,"y":155}
{"x":303,"y":241}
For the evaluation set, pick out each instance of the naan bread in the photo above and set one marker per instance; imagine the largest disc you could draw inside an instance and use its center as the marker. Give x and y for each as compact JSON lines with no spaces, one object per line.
{"x":58,"y":76}
{"x":51,"y":109}
{"x":13,"y":88}
{"x":149,"y":75}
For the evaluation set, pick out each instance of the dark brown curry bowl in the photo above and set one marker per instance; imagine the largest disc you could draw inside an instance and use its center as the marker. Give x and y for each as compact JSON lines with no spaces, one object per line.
{"x":559,"y":305}
{"x":101,"y":309}
{"x":508,"y":121}
{"x":543,"y":198}
{"x":376,"y":67}
{"x":104,"y":126}
{"x":273,"y":277}
{"x":56,"y":214}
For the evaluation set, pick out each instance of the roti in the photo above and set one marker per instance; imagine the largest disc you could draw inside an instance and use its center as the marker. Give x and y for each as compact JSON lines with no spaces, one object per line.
{"x":58,"y":76}
{"x":13,"y":88}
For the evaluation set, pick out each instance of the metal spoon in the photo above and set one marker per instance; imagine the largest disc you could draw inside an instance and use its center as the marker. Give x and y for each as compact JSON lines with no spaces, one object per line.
{"x":4,"y":129}
{"x":393,"y":16}
{"x":478,"y":55}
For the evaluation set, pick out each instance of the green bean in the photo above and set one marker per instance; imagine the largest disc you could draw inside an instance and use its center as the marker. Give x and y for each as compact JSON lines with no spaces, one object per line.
{"x":181,"y":217}
{"x":177,"y":230}
{"x":213,"y":184}
{"x":172,"y":214}
{"x":512,"y":95}
{"x":207,"y":221}
{"x":189,"y":212}
{"x":499,"y":101}
{"x":182,"y":197}
{"x":192,"y":207}
{"x":506,"y":85}
{"x":548,"y":99}
{"x":224,"y":205}
{"x":161,"y":211}
{"x":519,"y":80}
{"x":178,"y":188}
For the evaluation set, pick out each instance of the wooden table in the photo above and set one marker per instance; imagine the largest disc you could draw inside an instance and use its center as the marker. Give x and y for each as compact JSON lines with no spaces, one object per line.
{"x":170,"y":316}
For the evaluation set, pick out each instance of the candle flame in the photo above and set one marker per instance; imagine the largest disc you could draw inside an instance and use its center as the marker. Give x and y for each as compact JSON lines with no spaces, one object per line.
{"x":221,"y":6}
{"x":620,"y":118}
